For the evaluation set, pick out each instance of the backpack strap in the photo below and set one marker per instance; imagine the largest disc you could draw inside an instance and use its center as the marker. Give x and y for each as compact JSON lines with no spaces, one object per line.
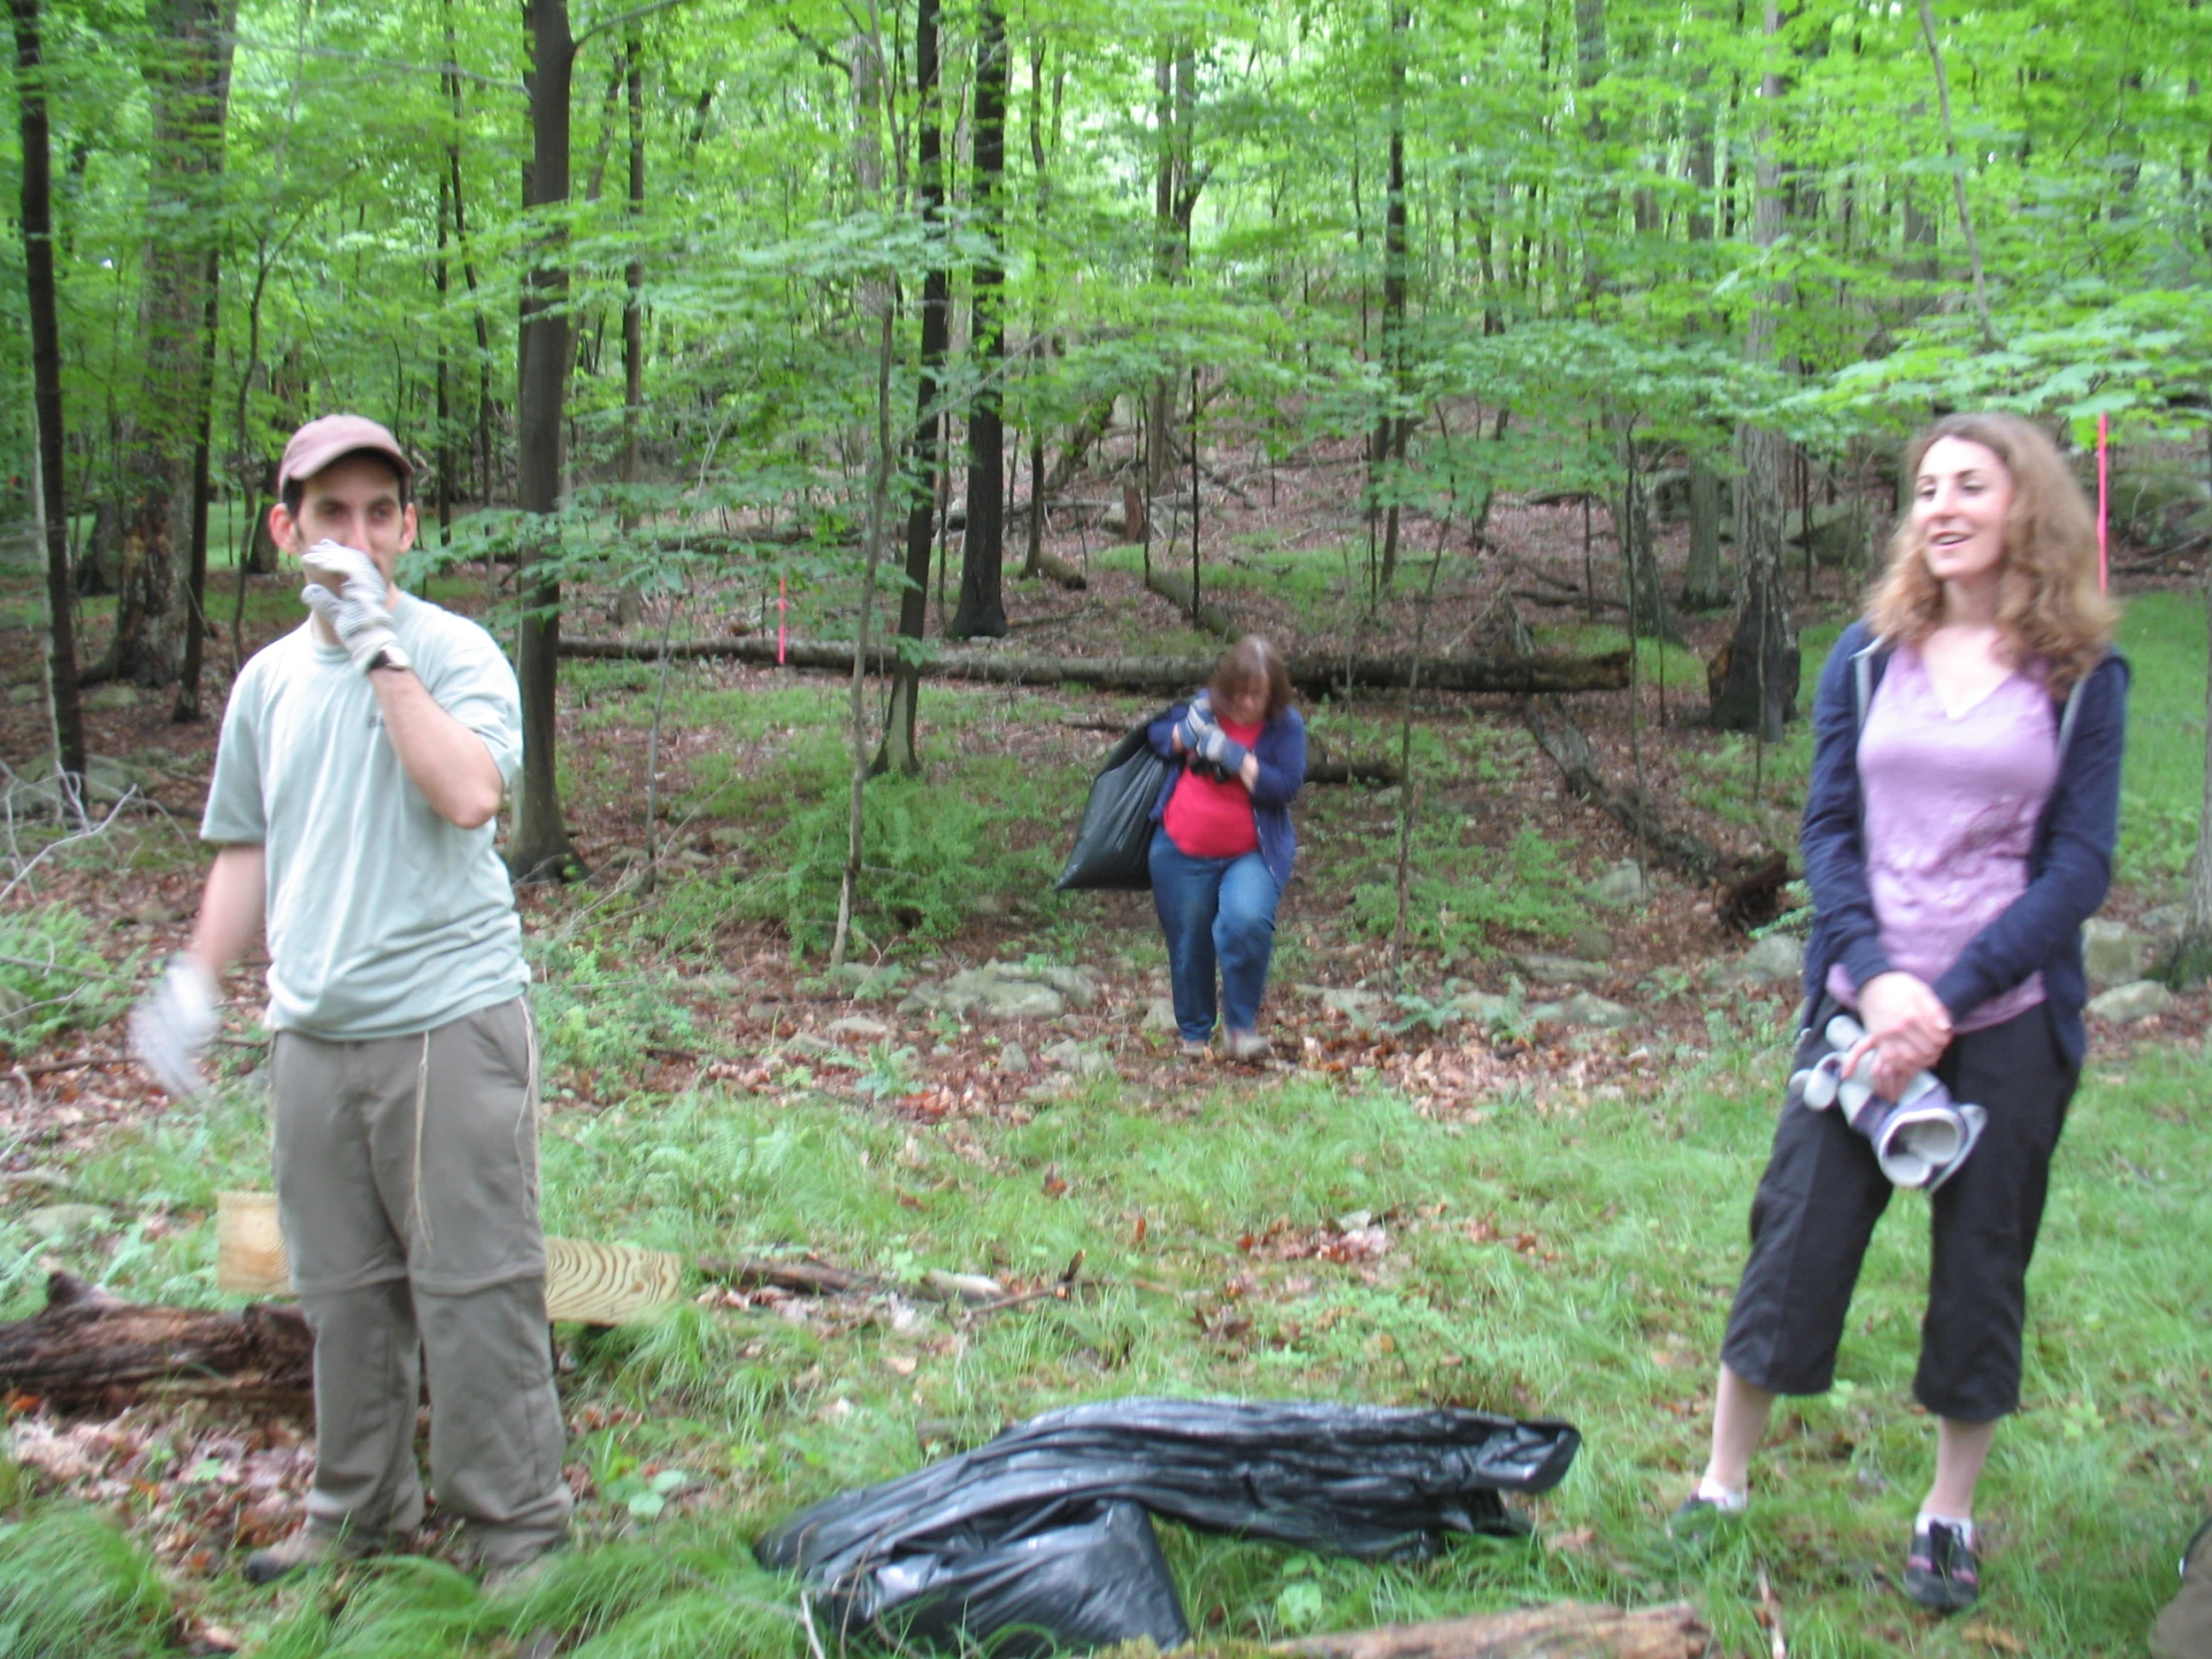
{"x":2066,"y":719}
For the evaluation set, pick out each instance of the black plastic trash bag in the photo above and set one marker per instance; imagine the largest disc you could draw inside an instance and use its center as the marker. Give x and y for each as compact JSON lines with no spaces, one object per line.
{"x":1076,"y":1576}
{"x":1112,"y":848}
{"x":942,"y":1550}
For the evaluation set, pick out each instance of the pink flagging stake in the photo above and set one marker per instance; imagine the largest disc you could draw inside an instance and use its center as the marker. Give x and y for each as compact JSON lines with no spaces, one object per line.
{"x":782,"y":608}
{"x":2104,"y":498}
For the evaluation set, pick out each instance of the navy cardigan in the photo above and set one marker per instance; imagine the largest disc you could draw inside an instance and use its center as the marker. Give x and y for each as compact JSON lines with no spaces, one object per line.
{"x":1280,"y":751}
{"x":2070,"y":865}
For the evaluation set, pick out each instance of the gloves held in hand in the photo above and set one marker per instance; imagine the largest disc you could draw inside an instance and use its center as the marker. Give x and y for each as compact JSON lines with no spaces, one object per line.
{"x":355,"y":612}
{"x":1223,"y":751}
{"x":171,"y":1029}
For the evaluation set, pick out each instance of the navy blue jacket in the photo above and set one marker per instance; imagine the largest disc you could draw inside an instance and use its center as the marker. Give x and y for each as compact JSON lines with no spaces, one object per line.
{"x":1280,"y":751}
{"x":2070,"y":865}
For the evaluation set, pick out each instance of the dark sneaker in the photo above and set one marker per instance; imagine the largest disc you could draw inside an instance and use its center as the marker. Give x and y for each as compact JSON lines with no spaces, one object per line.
{"x":310,"y":1546}
{"x":1941,"y":1573}
{"x":1697,"y":1519}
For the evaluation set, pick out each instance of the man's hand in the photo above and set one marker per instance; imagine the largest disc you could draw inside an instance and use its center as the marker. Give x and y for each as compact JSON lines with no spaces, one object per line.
{"x":1908,"y":1029}
{"x":171,"y":1029}
{"x":355,"y":612}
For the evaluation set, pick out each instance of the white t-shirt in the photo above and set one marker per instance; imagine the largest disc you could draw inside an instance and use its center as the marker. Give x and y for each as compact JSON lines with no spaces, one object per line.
{"x":383,"y":919}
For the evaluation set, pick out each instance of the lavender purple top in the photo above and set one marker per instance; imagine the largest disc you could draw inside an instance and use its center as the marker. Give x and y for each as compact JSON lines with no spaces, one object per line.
{"x":1952,"y":803}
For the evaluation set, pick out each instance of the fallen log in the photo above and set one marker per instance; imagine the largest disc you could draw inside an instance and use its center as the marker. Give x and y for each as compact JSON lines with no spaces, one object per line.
{"x":1177,"y":592}
{"x":1564,"y":1630}
{"x":85,"y":1343}
{"x":585,"y":1282}
{"x":1056,"y":569}
{"x":1517,"y":675}
{"x":1560,"y":738}
{"x":1352,"y":772}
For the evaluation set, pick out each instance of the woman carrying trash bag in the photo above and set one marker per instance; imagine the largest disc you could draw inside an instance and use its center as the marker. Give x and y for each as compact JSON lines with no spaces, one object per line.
{"x":1222,"y":853}
{"x":1958,"y":832}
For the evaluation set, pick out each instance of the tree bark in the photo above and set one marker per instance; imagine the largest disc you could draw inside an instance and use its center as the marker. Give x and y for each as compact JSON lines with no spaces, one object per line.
{"x":1395,"y":429}
{"x":1704,"y":586}
{"x":631,"y":604}
{"x":195,"y":577}
{"x":84,"y":1344}
{"x":900,"y":750}
{"x":187,"y":75}
{"x":982,"y":610}
{"x":1564,"y":1630}
{"x":1519,"y":676}
{"x":46,"y":389}
{"x":480,"y":469}
{"x":1755,"y":680}
{"x":539,"y":849}
{"x":2190,"y":961}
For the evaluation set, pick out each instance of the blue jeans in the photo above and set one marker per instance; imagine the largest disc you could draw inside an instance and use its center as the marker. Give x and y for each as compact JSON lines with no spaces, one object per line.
{"x":1213,"y":910}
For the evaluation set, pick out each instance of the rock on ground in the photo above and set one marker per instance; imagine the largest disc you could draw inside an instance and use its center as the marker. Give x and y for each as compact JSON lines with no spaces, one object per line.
{"x":2125,"y":1004}
{"x":1005,"y":990}
{"x":2110,"y":952}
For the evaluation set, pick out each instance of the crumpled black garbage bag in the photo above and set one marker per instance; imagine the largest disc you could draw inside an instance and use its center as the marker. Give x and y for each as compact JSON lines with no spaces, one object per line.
{"x":1112,"y":850}
{"x":944,"y":1549}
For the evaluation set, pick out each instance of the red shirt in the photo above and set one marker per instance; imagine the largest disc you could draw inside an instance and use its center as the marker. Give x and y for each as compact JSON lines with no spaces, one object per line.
{"x":1208,"y":818}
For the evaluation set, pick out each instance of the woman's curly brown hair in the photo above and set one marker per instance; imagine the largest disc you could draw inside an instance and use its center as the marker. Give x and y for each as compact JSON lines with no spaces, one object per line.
{"x":1251,"y":661}
{"x":2053,"y":618}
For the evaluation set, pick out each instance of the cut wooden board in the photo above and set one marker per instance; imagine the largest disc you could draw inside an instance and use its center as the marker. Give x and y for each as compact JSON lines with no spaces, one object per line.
{"x":591,"y":1284}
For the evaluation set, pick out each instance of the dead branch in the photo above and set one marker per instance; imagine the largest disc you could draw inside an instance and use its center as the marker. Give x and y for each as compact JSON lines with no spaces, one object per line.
{"x":1564,"y":1630}
{"x":799,"y":1278}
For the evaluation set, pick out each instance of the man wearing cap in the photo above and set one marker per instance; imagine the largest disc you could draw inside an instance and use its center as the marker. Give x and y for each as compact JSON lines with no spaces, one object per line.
{"x":362,"y":758}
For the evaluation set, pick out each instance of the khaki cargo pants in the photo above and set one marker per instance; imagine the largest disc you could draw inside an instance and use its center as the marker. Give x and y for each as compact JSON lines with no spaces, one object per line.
{"x":407,"y":1187}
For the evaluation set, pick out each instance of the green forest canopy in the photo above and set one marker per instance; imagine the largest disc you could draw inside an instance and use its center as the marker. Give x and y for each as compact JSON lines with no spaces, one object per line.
{"x":1595,"y":164}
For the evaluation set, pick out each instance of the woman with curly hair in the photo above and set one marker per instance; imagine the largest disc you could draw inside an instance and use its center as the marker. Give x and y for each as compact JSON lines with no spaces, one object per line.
{"x":1222,"y":853}
{"x":1958,"y":832}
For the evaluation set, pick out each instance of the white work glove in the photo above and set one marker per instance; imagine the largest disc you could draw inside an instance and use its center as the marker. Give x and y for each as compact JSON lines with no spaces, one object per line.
{"x":171,"y":1029}
{"x":355,"y":612}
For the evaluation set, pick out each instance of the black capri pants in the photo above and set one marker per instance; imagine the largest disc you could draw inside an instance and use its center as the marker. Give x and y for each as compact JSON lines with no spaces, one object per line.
{"x":1823,"y":1192}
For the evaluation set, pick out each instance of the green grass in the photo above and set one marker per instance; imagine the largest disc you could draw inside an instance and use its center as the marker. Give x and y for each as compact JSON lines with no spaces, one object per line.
{"x":2162,"y":790}
{"x":1609,"y":1316}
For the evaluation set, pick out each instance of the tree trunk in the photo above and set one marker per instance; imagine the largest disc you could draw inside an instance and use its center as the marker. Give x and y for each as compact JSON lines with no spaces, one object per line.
{"x":46,"y":389}
{"x":631,"y":604}
{"x":480,"y":469}
{"x":189,"y":85}
{"x":84,"y":1344}
{"x":900,"y":749}
{"x":538,"y":849}
{"x":1755,"y":680}
{"x":1391,"y":434}
{"x":1519,"y":676}
{"x":982,"y":610}
{"x":2191,"y":958}
{"x":1704,"y":586}
{"x":196,"y":578}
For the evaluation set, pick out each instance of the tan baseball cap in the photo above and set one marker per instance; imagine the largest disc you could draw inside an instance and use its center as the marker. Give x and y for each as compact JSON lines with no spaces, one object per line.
{"x":319,"y":442}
